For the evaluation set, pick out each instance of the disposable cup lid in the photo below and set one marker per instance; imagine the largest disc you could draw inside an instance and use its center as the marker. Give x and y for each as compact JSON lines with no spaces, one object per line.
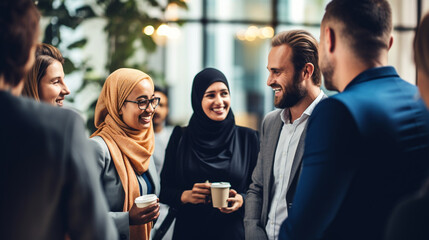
{"x":221,"y":185}
{"x":146,"y":198}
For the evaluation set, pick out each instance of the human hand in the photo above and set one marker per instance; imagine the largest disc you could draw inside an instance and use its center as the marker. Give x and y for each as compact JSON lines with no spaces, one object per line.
{"x":234,"y":198}
{"x":199,"y":193}
{"x":138,"y":216}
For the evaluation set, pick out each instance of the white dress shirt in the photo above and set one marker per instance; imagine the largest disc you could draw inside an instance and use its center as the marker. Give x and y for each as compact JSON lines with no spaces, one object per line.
{"x":285,"y":153}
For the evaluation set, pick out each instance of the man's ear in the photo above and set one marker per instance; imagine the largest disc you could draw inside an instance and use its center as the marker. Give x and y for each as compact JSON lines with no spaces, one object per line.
{"x":330,"y":39}
{"x":307,"y":71}
{"x":390,"y":42}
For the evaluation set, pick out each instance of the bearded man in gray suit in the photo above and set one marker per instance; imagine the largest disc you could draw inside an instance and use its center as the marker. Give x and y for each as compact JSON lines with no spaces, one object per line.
{"x":295,"y":79}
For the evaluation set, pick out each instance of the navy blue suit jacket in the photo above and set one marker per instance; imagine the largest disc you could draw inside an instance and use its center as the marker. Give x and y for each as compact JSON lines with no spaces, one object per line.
{"x":366,"y":149}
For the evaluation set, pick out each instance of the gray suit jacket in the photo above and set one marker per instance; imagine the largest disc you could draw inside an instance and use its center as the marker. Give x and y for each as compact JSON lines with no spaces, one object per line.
{"x":48,"y":175}
{"x":113,"y":187}
{"x":258,"y":199}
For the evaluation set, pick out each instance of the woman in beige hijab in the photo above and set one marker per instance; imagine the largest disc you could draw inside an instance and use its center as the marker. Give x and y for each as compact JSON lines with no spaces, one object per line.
{"x":125,"y":143}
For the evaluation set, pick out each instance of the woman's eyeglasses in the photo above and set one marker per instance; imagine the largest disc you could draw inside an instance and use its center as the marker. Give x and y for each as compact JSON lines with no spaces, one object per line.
{"x":143,"y":104}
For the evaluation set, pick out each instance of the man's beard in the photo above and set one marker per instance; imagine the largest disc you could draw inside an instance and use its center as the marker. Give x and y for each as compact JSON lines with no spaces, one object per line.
{"x":327,"y":69}
{"x":293,"y":93}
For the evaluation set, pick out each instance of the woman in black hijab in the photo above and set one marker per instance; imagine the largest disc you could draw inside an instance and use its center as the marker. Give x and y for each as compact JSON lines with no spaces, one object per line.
{"x":210,"y":149}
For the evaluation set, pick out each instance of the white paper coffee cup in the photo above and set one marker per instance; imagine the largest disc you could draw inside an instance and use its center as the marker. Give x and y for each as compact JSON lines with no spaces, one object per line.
{"x":220,"y":193}
{"x":145,"y":200}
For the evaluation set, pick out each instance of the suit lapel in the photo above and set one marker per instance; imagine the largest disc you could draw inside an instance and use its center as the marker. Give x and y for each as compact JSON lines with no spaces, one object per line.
{"x":275,"y":128}
{"x":298,"y":156}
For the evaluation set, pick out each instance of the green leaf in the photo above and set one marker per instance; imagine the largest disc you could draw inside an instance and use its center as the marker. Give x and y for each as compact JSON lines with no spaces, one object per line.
{"x":179,"y":3}
{"x":154,"y":3}
{"x":68,"y":66}
{"x":180,"y":22}
{"x":45,"y":6}
{"x":48,"y":36}
{"x":78,"y":44}
{"x":85,"y":12}
{"x":148,"y":43}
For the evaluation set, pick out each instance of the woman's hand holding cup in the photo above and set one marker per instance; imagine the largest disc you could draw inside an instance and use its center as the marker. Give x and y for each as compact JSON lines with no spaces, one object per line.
{"x":236,"y":200}
{"x":138,"y":216}
{"x":199,"y":194}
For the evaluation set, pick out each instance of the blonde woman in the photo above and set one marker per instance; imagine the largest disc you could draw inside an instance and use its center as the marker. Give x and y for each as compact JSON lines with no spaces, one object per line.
{"x":45,"y":81}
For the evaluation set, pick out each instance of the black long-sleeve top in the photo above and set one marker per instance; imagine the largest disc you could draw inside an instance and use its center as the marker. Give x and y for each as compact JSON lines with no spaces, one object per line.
{"x":202,"y":221}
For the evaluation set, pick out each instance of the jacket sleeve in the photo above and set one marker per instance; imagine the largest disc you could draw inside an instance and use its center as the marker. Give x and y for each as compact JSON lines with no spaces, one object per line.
{"x":170,"y":191}
{"x":86,"y":204}
{"x":121,"y":219}
{"x":253,"y":203}
{"x":122,"y":222}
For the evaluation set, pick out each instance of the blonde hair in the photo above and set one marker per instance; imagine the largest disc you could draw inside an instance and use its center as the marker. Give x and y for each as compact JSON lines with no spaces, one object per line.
{"x":45,"y":55}
{"x":421,"y":45}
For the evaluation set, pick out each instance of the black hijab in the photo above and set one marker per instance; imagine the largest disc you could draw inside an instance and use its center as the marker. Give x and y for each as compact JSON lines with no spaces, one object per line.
{"x":207,"y":144}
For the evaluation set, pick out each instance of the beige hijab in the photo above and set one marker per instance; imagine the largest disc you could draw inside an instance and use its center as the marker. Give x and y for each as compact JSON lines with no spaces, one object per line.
{"x":130,"y":149}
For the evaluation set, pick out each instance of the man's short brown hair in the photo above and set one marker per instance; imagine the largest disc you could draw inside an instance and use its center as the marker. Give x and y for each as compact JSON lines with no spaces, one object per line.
{"x":19,"y":23}
{"x":304,"y":50}
{"x":366,"y":24}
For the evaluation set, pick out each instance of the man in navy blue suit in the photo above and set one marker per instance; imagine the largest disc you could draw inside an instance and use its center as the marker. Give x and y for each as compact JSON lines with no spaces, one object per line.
{"x":366,"y":147}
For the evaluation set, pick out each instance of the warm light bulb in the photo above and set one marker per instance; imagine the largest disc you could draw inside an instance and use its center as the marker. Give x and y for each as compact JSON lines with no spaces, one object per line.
{"x":172,"y":12}
{"x":251,"y":33}
{"x":163,"y":30}
{"x":241,"y":35}
{"x":266,"y":32}
{"x":149,"y":30}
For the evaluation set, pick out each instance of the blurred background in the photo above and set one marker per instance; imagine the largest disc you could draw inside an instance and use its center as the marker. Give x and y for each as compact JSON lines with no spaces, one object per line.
{"x":172,"y":40}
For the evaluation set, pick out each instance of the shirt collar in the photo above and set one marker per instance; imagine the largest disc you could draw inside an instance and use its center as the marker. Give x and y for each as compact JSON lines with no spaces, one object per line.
{"x":284,"y":115}
{"x":373,"y":74}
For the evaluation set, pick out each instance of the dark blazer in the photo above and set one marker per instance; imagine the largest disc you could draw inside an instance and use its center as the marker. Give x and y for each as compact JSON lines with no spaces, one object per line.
{"x":259,"y":197}
{"x":366,"y":149}
{"x":47,"y":175}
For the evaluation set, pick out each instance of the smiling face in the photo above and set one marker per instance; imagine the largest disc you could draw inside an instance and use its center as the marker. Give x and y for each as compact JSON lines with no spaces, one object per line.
{"x":162,"y":109}
{"x":131,"y":114}
{"x":52,"y":87}
{"x":286,"y":84}
{"x":216,"y":101}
